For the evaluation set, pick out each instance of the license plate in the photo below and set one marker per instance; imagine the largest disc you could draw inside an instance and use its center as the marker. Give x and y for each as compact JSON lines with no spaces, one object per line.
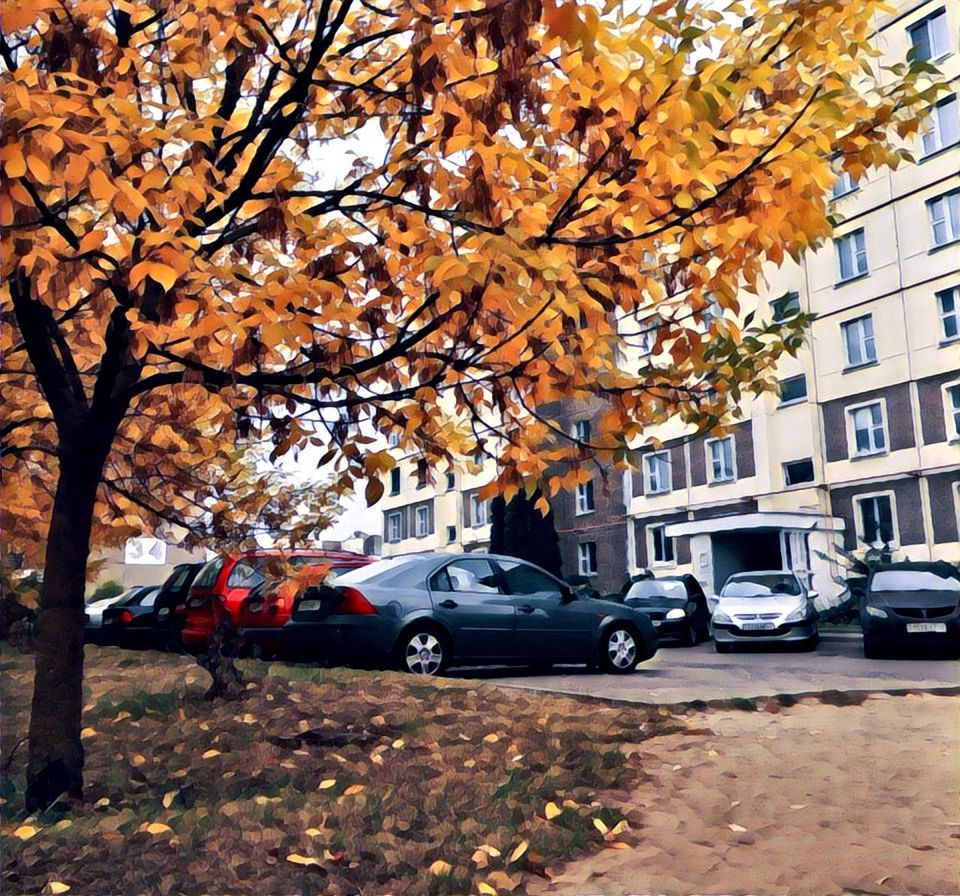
{"x":307,"y":605}
{"x":758,"y":626}
{"x":921,"y":627}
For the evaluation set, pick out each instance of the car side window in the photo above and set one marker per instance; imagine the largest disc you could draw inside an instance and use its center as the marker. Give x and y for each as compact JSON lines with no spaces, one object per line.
{"x":244,"y":575}
{"x":467,"y":575}
{"x":524,"y":579}
{"x":149,"y":598}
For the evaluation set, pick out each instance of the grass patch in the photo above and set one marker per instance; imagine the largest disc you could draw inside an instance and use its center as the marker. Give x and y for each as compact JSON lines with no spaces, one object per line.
{"x":377,"y":776}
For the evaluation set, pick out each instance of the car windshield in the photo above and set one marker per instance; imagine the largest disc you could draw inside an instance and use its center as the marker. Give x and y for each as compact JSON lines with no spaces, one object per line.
{"x":770,"y":584}
{"x":208,"y":575}
{"x":651,"y":589}
{"x":913,"y":580}
{"x":380,"y":569}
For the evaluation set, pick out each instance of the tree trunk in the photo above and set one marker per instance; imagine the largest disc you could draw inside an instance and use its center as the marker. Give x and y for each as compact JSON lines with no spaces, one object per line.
{"x":55,"y":762}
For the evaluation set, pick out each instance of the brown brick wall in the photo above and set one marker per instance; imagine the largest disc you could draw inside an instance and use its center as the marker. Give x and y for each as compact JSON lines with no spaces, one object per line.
{"x":899,"y":419}
{"x":909,"y":518}
{"x":943,"y":506}
{"x":930,"y":392}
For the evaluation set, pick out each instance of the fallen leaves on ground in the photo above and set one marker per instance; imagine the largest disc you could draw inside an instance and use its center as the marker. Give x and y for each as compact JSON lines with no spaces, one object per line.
{"x":320,"y":781}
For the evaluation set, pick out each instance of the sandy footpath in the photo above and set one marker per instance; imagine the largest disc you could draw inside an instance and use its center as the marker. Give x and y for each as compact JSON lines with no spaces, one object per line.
{"x":814,"y":799}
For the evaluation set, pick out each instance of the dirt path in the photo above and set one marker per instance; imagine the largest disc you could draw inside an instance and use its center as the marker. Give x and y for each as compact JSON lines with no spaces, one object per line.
{"x":813,"y":800}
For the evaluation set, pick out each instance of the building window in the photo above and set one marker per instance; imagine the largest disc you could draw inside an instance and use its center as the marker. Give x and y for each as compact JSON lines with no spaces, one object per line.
{"x":478,"y":511}
{"x":929,"y":37}
{"x":859,"y":344}
{"x":393,"y":440}
{"x":451,"y":481}
{"x":948,"y":304}
{"x":852,"y":255}
{"x":951,"y":402}
{"x":720,"y":458}
{"x":793,"y":389}
{"x":845,"y":183}
{"x":395,"y":481}
{"x":796,"y":472}
{"x":661,"y":546}
{"x":786,"y":307}
{"x":451,"y":534}
{"x":422,"y":477}
{"x":423,"y":521}
{"x":581,"y":431}
{"x":394,"y":526}
{"x":657,"y":472}
{"x":875,"y":521}
{"x":941,"y":128}
{"x":585,"y":498}
{"x":587,"y":558}
{"x":869,"y":429}
{"x":945,"y":218}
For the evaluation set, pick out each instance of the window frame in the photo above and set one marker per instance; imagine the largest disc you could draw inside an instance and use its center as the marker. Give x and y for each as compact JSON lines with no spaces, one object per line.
{"x":857,"y":253}
{"x":451,"y":534}
{"x":850,"y":411}
{"x":733,"y":459}
{"x":394,"y":516}
{"x":806,"y":482}
{"x":846,"y":327}
{"x":424,"y":510}
{"x":951,"y":410}
{"x":951,"y":221}
{"x":394,"y":482}
{"x":587,"y":551}
{"x":844,"y":178}
{"x":954,"y":293}
{"x":788,"y":402}
{"x":451,"y":481}
{"x":786,"y":306}
{"x":858,"y":521}
{"x":936,"y":118}
{"x":478,"y":512}
{"x":925,"y":23}
{"x":585,"y":500}
{"x":661,"y":463}
{"x":581,"y":431}
{"x":666,"y":541}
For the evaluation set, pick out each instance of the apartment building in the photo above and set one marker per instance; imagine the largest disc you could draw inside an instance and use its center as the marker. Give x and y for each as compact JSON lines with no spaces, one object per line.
{"x":863,"y":445}
{"x":425,"y":509}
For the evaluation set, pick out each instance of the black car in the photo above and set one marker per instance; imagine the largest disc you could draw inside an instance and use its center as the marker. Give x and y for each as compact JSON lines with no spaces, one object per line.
{"x":151,"y":620}
{"x":676,"y":605}
{"x":426,"y":612}
{"x":911,"y":605}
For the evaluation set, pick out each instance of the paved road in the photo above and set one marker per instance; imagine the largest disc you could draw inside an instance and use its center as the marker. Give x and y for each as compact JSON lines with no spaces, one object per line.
{"x":682,"y":674}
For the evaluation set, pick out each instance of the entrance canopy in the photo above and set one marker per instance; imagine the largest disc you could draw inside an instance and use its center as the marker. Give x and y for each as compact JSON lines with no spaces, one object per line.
{"x":740,"y":521}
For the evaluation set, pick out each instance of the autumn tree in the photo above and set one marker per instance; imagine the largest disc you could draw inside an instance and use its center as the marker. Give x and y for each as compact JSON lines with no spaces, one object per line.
{"x":185,"y":275}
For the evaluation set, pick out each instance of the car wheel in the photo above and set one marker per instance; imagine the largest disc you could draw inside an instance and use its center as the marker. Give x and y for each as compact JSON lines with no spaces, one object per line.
{"x":423,"y":651}
{"x":723,"y":648}
{"x":618,"y":650}
{"x":692,"y":637}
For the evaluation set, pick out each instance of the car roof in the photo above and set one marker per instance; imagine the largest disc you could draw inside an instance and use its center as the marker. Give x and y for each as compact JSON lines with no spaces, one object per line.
{"x":940,"y":567}
{"x":762,"y":572}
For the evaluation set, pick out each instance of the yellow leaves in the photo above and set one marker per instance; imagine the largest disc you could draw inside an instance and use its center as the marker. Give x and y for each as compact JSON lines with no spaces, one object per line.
{"x":101,"y":187}
{"x":518,"y":851}
{"x":551,"y":811}
{"x":737,"y":828}
{"x":354,"y":789}
{"x":486,"y":889}
{"x":163,"y":274}
{"x":39,"y":169}
{"x":155,"y":827}
{"x":209,"y":754}
{"x":297,"y":859}
{"x":327,"y":783}
{"x":14,"y":163}
{"x":439,"y":868}
{"x":491,"y":738}
{"x":138,"y":759}
{"x":87,"y":732}
{"x":26,"y":831}
{"x":169,"y":797}
{"x":57,"y":887}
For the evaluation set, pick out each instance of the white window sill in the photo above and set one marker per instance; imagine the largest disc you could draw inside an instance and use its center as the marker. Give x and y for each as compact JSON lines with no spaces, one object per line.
{"x":861,"y":455}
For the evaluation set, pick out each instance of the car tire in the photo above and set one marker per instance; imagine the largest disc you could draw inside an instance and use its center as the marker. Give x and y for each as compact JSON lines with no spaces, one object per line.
{"x":692,"y":636}
{"x":620,"y":647}
{"x":721,"y":647}
{"x":872,"y":650}
{"x":423,"y":650}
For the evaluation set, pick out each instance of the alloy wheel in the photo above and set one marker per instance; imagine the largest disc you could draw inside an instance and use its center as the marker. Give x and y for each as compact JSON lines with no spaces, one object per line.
{"x":424,"y":654}
{"x":621,"y":650}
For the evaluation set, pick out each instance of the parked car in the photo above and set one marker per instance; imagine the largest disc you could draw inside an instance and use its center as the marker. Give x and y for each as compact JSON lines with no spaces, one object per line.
{"x":223,"y":584}
{"x":766,"y":607}
{"x":92,"y":627}
{"x":117,"y":618}
{"x":423,"y":613}
{"x":911,"y":605}
{"x":676,"y":605}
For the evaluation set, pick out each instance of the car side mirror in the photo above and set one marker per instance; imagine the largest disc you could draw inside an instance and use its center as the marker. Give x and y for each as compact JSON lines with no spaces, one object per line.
{"x":567,"y":596}
{"x":813,"y":595}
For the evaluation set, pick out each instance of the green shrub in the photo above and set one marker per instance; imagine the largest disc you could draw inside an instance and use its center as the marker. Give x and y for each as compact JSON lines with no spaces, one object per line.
{"x":106,"y":590}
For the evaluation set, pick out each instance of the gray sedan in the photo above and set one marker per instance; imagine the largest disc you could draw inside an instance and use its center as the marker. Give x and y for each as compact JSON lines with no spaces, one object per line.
{"x":423,"y":613}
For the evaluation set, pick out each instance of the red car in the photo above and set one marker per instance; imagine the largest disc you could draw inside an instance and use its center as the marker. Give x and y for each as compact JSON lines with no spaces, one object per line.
{"x":252,"y":590}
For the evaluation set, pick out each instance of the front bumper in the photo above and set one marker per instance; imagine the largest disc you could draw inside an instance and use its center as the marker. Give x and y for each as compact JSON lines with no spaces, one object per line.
{"x":893,"y":631}
{"x":790,"y":633}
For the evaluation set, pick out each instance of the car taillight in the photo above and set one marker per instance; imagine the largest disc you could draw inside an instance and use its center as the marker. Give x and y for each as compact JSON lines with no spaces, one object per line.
{"x":126,"y":616}
{"x":255,"y":606}
{"x":353,"y":603}
{"x":196,"y":601}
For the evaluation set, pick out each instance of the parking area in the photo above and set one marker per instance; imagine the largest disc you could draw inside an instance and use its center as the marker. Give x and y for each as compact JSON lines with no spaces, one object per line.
{"x":682,"y":674}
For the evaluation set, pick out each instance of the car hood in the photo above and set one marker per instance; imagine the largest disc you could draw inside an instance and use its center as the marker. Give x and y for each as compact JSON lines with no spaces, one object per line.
{"x":913,"y":599}
{"x":775,"y":603}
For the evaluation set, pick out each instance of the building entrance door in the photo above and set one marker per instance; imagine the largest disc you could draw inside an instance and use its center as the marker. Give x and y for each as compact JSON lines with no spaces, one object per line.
{"x":744,"y":551}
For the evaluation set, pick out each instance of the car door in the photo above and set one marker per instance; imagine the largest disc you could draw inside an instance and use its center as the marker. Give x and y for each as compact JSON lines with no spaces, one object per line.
{"x":548,"y":625}
{"x":468,"y":598}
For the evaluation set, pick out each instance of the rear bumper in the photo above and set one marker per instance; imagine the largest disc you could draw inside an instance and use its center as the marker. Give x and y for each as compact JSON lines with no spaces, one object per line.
{"x":269,"y":637}
{"x":357,"y":640}
{"x":786,"y":634}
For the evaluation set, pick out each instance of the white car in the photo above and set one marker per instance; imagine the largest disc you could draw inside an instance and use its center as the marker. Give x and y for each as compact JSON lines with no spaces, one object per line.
{"x":765,"y":607}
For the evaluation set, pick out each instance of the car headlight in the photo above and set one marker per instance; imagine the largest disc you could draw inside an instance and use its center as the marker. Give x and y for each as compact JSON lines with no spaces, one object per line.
{"x":721,"y":617}
{"x":676,"y":613}
{"x":876,"y":611}
{"x":797,"y":615}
